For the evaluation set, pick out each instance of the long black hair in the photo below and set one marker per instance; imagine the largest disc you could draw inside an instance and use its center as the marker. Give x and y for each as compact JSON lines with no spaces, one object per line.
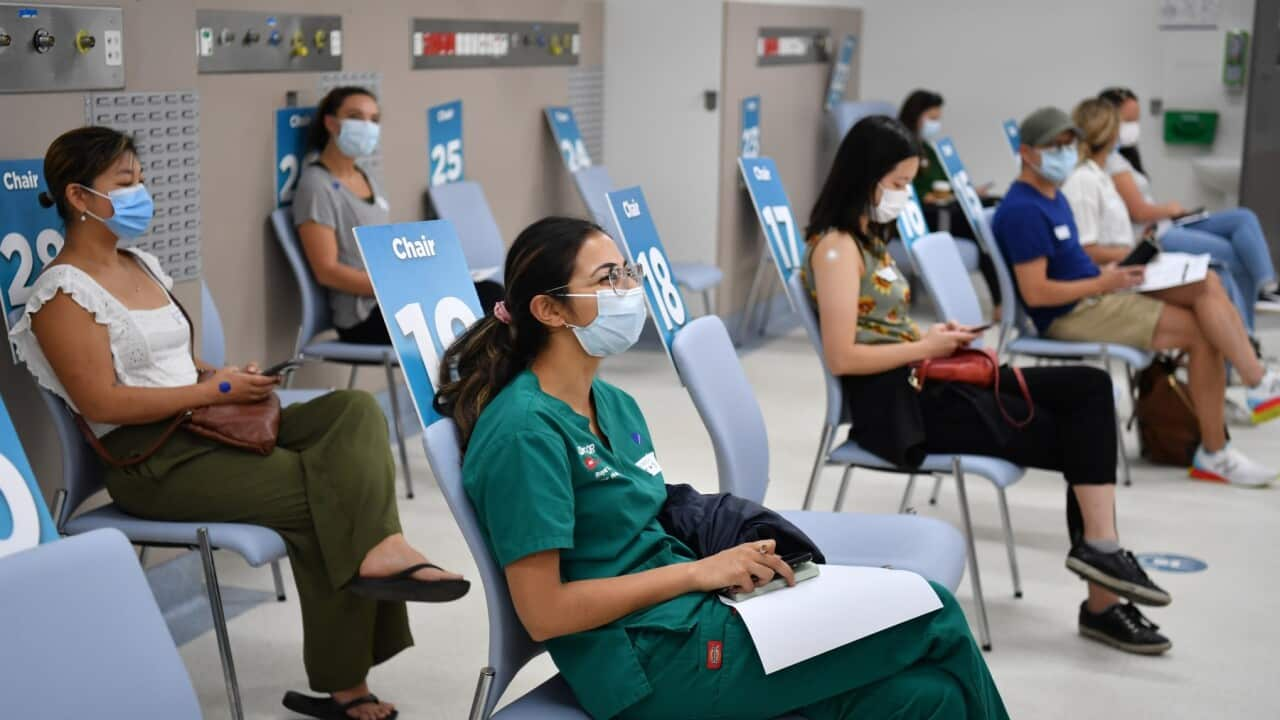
{"x":489,"y":355}
{"x":319,"y":136}
{"x":78,"y":156}
{"x":918,"y":103}
{"x":1118,"y":96}
{"x":871,"y":149}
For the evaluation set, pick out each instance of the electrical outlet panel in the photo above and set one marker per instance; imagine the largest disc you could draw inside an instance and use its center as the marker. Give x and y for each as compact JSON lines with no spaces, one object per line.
{"x":442,"y":44}
{"x":240,"y":41}
{"x":792,"y":46}
{"x":165,"y":126}
{"x":50,"y":48}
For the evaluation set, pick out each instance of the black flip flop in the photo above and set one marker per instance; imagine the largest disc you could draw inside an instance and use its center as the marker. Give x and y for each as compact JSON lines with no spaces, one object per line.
{"x":327,"y":708}
{"x":403,"y":587}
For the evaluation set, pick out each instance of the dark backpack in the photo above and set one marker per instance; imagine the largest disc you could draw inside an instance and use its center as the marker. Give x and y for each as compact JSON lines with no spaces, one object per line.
{"x":1168,"y":433}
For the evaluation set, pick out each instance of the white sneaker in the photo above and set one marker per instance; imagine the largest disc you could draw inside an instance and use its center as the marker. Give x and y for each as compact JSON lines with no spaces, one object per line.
{"x":1264,"y":399}
{"x":1237,"y":415}
{"x":1229,"y":466}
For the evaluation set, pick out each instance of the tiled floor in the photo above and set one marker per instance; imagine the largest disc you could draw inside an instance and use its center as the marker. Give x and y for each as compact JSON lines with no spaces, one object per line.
{"x":1222,"y":622}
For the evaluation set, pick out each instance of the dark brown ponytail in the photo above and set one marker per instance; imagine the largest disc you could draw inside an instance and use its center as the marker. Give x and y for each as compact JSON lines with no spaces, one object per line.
{"x":78,"y":156}
{"x":489,"y":355}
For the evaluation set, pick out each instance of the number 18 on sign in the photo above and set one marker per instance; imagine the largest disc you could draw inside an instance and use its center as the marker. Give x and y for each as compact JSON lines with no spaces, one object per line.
{"x":640,"y":238}
{"x":421,"y":280}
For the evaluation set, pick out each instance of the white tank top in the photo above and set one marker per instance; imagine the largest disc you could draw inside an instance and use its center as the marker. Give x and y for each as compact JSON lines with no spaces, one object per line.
{"x":149,"y":348}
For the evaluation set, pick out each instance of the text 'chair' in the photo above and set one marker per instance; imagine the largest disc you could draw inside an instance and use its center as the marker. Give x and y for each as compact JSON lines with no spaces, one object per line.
{"x":317,"y":318}
{"x":83,"y":638}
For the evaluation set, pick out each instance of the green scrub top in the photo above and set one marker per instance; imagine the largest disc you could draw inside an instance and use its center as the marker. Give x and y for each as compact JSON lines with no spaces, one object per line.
{"x":541,"y":480}
{"x":931,"y":170}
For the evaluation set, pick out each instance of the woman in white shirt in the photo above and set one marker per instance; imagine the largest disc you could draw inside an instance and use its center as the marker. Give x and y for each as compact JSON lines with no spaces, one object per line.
{"x":1233,"y":237}
{"x":103,"y":331}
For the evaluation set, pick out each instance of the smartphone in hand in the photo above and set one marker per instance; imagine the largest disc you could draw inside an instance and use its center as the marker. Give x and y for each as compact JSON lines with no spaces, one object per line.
{"x":281,"y":368}
{"x":1142,"y":254}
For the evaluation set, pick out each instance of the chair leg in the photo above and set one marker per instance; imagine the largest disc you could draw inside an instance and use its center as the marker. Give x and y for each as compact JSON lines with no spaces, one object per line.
{"x":220,"y":624}
{"x":844,"y":487}
{"x":1008,"y":542}
{"x":707,"y":302}
{"x":937,"y":488}
{"x":906,"y":494}
{"x":278,"y":578}
{"x":819,"y":462}
{"x":984,"y":632}
{"x":748,"y":310}
{"x":482,"y":695}
{"x":351,"y":379}
{"x":1121,"y":455}
{"x":766,"y":310}
{"x":394,"y":393}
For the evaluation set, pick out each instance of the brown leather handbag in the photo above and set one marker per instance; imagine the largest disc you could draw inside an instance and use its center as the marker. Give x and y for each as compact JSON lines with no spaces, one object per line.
{"x":254,"y":427}
{"x":972,"y":367}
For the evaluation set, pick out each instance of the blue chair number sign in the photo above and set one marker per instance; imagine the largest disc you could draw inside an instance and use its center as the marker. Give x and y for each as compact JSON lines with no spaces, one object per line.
{"x":639,"y":237}
{"x":773,"y":209}
{"x":421,"y":281}
{"x":24,"y":519}
{"x":444,"y":142}
{"x":293,"y":125}
{"x":961,"y":185}
{"x":750,"y":144}
{"x":1012,"y":135}
{"x":568,"y":138}
{"x":911,"y":224}
{"x":30,"y":235}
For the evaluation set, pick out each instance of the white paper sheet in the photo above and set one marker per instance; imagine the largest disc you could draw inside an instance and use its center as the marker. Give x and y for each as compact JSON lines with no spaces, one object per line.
{"x":841,"y":605}
{"x":485,"y":273}
{"x":1171,"y":269}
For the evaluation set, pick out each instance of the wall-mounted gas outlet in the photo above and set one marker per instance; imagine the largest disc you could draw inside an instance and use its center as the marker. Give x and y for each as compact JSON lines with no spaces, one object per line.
{"x":47,"y":48}
{"x":234,"y":41}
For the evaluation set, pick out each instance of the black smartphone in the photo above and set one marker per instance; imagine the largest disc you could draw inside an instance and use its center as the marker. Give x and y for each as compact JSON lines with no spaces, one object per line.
{"x":795,"y":559}
{"x":978,"y":328}
{"x":1142,"y":254}
{"x":284,"y":367}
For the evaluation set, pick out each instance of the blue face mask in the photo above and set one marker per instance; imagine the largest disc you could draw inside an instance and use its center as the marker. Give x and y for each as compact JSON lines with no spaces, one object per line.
{"x":358,"y":138}
{"x":132,"y":210}
{"x":1056,"y":165}
{"x":931,"y":129}
{"x":619,"y":321}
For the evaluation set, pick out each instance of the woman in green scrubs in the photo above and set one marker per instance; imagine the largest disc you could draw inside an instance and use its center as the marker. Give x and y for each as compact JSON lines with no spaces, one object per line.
{"x":563,"y":475}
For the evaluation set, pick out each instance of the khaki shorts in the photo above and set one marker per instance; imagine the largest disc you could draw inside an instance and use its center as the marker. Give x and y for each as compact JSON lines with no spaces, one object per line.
{"x":1127,"y":319}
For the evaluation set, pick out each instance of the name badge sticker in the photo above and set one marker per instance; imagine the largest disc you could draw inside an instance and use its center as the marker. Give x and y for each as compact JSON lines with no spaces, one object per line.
{"x":888,"y":274}
{"x":1062,"y":232}
{"x":649,"y":464}
{"x":382,"y":203}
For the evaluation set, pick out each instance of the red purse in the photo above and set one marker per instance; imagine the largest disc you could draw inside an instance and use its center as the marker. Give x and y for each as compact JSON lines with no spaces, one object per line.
{"x":972,"y":367}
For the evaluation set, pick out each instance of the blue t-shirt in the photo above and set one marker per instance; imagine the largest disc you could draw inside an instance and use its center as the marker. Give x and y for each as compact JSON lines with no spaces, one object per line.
{"x":1029,"y":226}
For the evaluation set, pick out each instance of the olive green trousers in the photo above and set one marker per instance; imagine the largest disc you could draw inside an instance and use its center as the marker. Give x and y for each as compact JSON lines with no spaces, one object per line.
{"x":329,"y":490}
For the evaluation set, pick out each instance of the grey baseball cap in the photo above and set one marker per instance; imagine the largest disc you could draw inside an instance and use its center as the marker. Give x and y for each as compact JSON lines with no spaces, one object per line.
{"x":1043,"y":125}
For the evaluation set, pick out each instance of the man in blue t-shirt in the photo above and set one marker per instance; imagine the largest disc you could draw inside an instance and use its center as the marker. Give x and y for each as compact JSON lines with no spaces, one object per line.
{"x":1070,"y":298}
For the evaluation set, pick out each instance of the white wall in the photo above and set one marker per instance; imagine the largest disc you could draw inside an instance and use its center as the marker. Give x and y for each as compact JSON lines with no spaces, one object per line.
{"x":659,"y":57}
{"x":992,"y":60}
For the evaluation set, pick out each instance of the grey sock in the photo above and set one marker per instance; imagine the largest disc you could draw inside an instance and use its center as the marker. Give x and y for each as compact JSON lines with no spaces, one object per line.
{"x":1103,"y":546}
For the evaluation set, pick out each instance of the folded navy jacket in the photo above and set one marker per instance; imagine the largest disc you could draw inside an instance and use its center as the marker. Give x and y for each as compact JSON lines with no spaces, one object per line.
{"x":708,"y":524}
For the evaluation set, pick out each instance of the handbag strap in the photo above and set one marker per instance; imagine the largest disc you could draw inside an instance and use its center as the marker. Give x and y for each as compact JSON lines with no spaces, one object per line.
{"x":117,"y":463}
{"x":1026,"y":396}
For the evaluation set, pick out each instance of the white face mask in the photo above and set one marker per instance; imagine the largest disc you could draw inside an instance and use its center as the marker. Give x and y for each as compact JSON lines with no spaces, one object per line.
{"x":931,"y":129}
{"x":892,"y":203}
{"x":618,"y":324}
{"x":1129,"y":134}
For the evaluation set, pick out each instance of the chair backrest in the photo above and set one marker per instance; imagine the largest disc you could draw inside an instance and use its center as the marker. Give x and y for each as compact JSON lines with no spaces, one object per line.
{"x":510,"y":647}
{"x":83,"y":637}
{"x":709,"y":366}
{"x":82,"y":474}
{"x":464,"y":205}
{"x":1014,"y":319}
{"x":316,"y":316}
{"x":213,"y":343}
{"x":938,"y":261}
{"x":593,"y":184}
{"x":846,"y":114}
{"x":836,"y":410}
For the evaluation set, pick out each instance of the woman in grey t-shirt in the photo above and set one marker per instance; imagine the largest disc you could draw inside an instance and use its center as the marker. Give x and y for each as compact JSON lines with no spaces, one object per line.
{"x":334,"y":196}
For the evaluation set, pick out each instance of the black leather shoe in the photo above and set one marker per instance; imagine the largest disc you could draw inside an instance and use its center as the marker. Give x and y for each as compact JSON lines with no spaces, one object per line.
{"x":1118,"y":572}
{"x":1123,"y":626}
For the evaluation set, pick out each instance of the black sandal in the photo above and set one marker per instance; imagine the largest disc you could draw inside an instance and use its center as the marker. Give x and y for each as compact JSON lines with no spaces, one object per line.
{"x":403,"y":587}
{"x":327,"y":708}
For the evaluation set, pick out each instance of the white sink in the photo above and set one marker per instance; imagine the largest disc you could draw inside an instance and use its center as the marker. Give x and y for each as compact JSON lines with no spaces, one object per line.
{"x":1221,"y":174}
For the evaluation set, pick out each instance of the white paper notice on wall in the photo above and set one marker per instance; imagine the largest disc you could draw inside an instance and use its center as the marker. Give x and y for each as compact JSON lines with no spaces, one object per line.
{"x":1189,"y":14}
{"x":841,"y":605}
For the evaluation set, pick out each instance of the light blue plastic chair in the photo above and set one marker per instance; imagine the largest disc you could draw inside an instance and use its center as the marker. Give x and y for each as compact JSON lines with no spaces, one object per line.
{"x":317,"y":318}
{"x":1018,"y":335}
{"x":850,"y":455}
{"x":464,"y":204}
{"x":82,"y":479}
{"x":709,"y":366}
{"x":83,"y":638}
{"x":593,"y":184}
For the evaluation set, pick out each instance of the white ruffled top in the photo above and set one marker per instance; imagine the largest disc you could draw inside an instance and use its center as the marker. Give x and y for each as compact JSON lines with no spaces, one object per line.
{"x":149,"y":348}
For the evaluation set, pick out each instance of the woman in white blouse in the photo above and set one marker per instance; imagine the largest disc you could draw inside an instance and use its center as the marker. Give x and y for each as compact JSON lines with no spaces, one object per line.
{"x":102,"y":331}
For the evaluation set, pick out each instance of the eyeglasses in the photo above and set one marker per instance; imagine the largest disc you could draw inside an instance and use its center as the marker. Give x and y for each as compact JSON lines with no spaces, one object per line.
{"x":621,"y":278}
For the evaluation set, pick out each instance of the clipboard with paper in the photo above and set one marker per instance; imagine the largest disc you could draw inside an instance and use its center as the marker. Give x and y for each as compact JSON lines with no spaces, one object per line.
{"x":1171,"y":269}
{"x":841,"y":605}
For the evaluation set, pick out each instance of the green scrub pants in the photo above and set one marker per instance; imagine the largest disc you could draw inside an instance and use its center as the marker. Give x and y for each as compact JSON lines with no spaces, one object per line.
{"x":329,"y":490}
{"x":929,"y":667}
